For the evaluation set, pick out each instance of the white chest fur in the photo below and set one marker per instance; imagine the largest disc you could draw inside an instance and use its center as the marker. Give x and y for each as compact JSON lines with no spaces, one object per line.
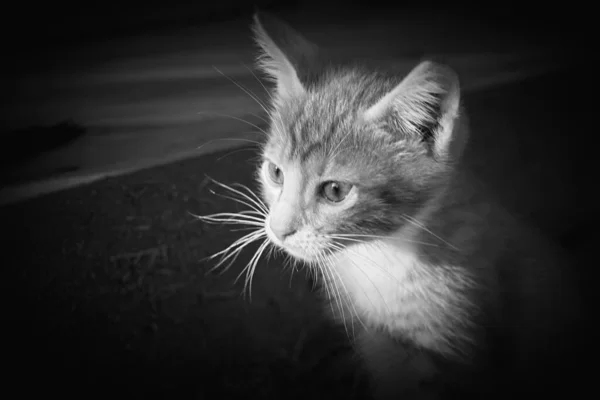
{"x":386,"y":284}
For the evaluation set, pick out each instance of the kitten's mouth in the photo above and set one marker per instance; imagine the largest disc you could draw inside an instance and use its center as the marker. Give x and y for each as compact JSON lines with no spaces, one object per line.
{"x":295,"y":251}
{"x":298,"y":254}
{"x":310,"y":256}
{"x":302,"y":245}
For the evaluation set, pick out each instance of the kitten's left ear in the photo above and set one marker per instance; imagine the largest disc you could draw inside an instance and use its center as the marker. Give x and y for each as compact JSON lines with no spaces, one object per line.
{"x":284,"y":54}
{"x":425,"y":105}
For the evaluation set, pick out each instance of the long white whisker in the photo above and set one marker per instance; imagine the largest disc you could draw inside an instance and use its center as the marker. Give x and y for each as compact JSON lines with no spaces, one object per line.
{"x":270,"y":252}
{"x":257,"y":204}
{"x":233,"y":221}
{"x":226,"y":217}
{"x":243,"y":229}
{"x":250,"y":215}
{"x":236,"y":247}
{"x":251,"y":235}
{"x":253,"y":263}
{"x":236,"y":199}
{"x":288,"y":265}
{"x":237,"y":253}
{"x":251,"y":193}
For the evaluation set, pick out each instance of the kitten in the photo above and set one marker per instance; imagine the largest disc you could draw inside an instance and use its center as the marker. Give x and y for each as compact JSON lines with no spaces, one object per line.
{"x":363,"y":181}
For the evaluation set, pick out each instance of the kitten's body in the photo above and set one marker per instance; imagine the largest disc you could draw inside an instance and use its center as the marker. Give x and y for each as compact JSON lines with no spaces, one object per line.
{"x":411,"y":252}
{"x":492,"y":297}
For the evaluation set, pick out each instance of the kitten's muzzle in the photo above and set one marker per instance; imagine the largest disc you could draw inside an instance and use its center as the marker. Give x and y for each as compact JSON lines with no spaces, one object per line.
{"x":281,"y":231}
{"x":283,"y":220}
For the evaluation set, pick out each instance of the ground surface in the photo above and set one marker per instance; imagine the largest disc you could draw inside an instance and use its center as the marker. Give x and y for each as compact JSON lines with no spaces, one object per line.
{"x":108,"y":293}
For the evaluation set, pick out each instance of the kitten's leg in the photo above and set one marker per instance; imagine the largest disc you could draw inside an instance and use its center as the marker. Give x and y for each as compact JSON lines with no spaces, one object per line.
{"x":395,"y":372}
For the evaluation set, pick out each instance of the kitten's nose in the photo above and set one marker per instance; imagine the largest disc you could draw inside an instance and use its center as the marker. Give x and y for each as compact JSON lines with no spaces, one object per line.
{"x":281,"y":231}
{"x":283,"y":218}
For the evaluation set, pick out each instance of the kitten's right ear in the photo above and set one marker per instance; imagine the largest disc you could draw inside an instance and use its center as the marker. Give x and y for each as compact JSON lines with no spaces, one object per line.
{"x":284,"y":52}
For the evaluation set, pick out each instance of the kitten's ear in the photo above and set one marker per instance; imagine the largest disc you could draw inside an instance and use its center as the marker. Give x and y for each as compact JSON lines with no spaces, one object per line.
{"x":426,"y":105}
{"x":284,"y":53}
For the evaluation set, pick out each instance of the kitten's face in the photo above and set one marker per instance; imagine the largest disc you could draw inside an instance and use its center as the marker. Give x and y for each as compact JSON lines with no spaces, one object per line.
{"x":346,"y":159}
{"x":331,"y":179}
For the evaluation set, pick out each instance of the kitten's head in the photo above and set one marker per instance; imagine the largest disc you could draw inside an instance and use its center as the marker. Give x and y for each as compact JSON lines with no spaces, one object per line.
{"x":351,"y":154}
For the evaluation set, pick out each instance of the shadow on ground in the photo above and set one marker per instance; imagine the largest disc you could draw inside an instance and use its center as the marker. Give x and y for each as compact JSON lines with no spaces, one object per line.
{"x":108,"y":293}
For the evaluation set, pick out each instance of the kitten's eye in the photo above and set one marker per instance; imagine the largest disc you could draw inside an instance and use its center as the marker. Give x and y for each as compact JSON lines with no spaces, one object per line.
{"x":275,"y":173}
{"x":336,"y":191}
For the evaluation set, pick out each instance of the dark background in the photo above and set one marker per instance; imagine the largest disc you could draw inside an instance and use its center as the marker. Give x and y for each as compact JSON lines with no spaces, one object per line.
{"x":45,"y":23}
{"x":31,"y":31}
{"x":86,"y":315}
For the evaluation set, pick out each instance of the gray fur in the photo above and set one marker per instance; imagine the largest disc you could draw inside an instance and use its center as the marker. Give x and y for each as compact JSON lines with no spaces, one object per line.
{"x":493,"y":275}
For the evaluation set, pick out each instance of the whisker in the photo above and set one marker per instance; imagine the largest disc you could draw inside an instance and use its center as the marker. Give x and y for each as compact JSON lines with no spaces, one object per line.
{"x":247,"y":91}
{"x":332,"y":292}
{"x":231,"y":221}
{"x":233,"y":139}
{"x":234,"y":152}
{"x":271,"y":252}
{"x":242,"y":229}
{"x":258,"y":204}
{"x":248,"y":269}
{"x":288,"y":264}
{"x":341,"y":248}
{"x":252,"y":235}
{"x":236,"y":199}
{"x":236,"y":219}
{"x":250,"y":192}
{"x":237,"y":253}
{"x":356,"y":238}
{"x":258,"y":201}
{"x":254,"y":218}
{"x":251,"y":271}
{"x":259,"y":81}
{"x":340,"y":280}
{"x":337,"y":294}
{"x":231,"y":256}
{"x":358,"y":267}
{"x":236,"y":247}
{"x":250,"y":215}
{"x":234,"y":118}
{"x":422,"y":226}
{"x":225,"y":268}
{"x":242,"y":214}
